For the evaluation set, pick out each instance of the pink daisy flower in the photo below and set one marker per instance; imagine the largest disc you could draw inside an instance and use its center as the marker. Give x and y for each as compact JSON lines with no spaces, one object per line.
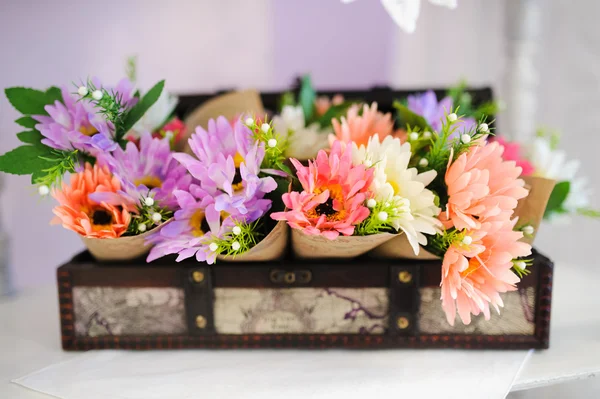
{"x":481,"y":185}
{"x":512,"y":152}
{"x":476,"y":270}
{"x":359,"y":128}
{"x":333,"y":196}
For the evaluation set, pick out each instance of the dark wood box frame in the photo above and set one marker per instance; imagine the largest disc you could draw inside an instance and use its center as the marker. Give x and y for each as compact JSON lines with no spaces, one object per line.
{"x":83,"y":271}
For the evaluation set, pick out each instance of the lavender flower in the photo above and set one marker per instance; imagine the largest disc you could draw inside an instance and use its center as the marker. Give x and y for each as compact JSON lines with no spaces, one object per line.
{"x":434,"y":112}
{"x":192,"y":232}
{"x":147,"y":171}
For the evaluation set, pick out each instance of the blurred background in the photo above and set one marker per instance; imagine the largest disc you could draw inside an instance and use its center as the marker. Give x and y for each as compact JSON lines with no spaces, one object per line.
{"x":540,"y":57}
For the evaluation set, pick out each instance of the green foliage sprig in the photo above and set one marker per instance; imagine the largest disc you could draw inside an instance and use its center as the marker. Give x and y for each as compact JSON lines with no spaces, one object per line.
{"x":241,"y":239}
{"x":275,"y":145}
{"x":149,"y":215}
{"x":382,"y":217}
{"x":463,"y":99}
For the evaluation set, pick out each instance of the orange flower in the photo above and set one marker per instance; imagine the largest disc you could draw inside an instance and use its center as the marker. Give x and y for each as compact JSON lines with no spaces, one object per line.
{"x":358,"y":128}
{"x":323,"y":103}
{"x":88,"y":218}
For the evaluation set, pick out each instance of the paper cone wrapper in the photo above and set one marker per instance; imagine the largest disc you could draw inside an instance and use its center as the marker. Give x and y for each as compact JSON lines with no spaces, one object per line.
{"x":118,"y":249}
{"x":399,"y":248}
{"x":530,"y":209}
{"x":272,"y":247}
{"x":228,"y":105}
{"x":312,"y":246}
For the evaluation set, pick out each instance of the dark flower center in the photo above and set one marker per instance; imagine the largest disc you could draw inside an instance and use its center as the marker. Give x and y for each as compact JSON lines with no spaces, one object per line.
{"x":326,"y":208}
{"x":204,"y":227}
{"x":237,"y":178}
{"x":101,"y":217}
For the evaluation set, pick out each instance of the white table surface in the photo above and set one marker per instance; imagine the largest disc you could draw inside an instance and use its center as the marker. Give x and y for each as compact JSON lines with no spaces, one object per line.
{"x":30,"y":335}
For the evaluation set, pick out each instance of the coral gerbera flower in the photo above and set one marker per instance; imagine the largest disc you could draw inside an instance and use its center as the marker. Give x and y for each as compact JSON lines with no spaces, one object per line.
{"x":476,"y":270}
{"x":147,"y":171}
{"x":394,"y":182}
{"x":333,"y":196}
{"x":358,"y":128}
{"x":481,"y":185}
{"x":78,"y":212}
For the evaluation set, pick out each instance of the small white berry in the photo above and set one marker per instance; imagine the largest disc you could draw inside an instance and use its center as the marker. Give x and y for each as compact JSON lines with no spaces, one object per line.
{"x":465,"y":138}
{"x":265,"y":127}
{"x":149,"y":201}
{"x":83,"y":91}
{"x":467,"y":240}
{"x":521,"y":264}
{"x":528,"y":230}
{"x":413,"y":136}
{"x":235,"y":245}
{"x":43,"y":190}
{"x":383,"y":216}
{"x":371,"y":203}
{"x":368,"y":163}
{"x":272,"y":143}
{"x":97,"y":95}
{"x":213,"y":246}
{"x":484,"y":128}
{"x":156,"y":217}
{"x":142,"y":227}
{"x":423,"y":162}
{"x":452,"y":117}
{"x":169,"y":135}
{"x":249,"y":121}
{"x":237,"y":230}
{"x":426,"y":134}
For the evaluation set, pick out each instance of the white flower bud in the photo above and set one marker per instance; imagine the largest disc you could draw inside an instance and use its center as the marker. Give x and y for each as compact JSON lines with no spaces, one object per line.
{"x":484,"y":128}
{"x":237,"y":230}
{"x":43,"y":190}
{"x":249,"y":121}
{"x":235,"y":245}
{"x":149,"y":201}
{"x":520,"y":265}
{"x":169,"y":135}
{"x":156,"y":217}
{"x":383,"y":216}
{"x":452,"y":117}
{"x":272,"y":143}
{"x":426,"y":134}
{"x":371,"y":203}
{"x":528,"y":230}
{"x":465,"y":138}
{"x":423,"y":162}
{"x":142,"y":227}
{"x":213,"y":246}
{"x":265,"y":127}
{"x":97,"y":95}
{"x":368,"y":163}
{"x":467,"y":240}
{"x":413,"y":136}
{"x":83,"y":91}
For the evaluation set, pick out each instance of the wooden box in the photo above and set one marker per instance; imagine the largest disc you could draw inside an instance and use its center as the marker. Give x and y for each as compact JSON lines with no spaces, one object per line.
{"x":363,"y":303}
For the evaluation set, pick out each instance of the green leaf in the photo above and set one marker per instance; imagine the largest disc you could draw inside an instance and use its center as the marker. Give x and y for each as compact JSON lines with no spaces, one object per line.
{"x":557,"y":197}
{"x":334,"y":112}
{"x":408,"y":118}
{"x":141,"y":107}
{"x":307,"y":97}
{"x":54,"y":94}
{"x":30,"y":137}
{"x":25,"y":160}
{"x":588,"y":212}
{"x":30,"y":101}
{"x":27,"y":121}
{"x":286,"y":98}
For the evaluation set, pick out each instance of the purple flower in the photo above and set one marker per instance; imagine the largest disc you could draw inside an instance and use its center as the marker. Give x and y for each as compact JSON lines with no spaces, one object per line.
{"x":147,"y":171}
{"x":426,"y":105}
{"x":73,"y":126}
{"x":221,"y":139}
{"x":195,"y":226}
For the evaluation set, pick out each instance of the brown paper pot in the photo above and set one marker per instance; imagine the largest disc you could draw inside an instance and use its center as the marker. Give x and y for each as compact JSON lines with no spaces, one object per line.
{"x":118,"y":249}
{"x":530,"y":209}
{"x":228,"y":105}
{"x":310,"y":246}
{"x":272,"y":247}
{"x":399,"y":248}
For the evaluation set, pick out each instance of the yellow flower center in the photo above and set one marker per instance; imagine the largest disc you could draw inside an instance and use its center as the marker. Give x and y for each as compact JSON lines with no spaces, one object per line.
{"x":327,"y":208}
{"x":199,"y":224}
{"x":473,"y":266}
{"x":395,"y":186}
{"x":149,"y":181}
{"x":88,"y":130}
{"x":237,"y":183}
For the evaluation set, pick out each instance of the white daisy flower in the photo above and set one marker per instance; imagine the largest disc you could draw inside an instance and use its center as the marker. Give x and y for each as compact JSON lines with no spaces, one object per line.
{"x":553,"y":164}
{"x":394,"y":182}
{"x":304,"y":142}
